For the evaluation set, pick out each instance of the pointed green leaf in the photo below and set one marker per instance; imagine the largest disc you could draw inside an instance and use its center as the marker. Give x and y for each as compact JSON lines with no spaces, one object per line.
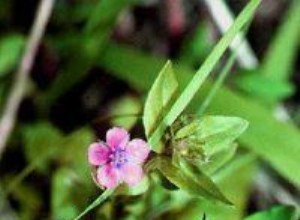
{"x":263,"y":87}
{"x":195,"y":183}
{"x":278,"y":62}
{"x":275,"y":213}
{"x":204,"y":181}
{"x":159,"y":99}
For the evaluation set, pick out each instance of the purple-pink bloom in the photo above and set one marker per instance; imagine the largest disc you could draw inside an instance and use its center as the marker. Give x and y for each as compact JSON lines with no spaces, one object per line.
{"x":118,"y":160}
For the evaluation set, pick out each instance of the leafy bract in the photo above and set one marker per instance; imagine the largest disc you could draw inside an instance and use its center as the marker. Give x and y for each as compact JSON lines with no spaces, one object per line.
{"x":220,"y":158}
{"x":214,"y":132}
{"x":159,"y":100}
{"x":275,"y":213}
{"x":193,"y":181}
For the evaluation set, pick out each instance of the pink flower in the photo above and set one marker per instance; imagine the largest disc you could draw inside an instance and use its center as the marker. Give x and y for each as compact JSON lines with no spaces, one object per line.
{"x":118,"y":160}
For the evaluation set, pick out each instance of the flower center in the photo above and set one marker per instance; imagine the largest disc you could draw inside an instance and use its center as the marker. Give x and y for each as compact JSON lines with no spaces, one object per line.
{"x":118,"y":157}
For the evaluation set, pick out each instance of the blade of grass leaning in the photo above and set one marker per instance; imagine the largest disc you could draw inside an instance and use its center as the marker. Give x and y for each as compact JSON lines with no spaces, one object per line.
{"x":96,"y":203}
{"x":189,"y":92}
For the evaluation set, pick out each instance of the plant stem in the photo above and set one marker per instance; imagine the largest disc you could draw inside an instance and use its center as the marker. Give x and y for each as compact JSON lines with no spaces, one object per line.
{"x":97,"y":202}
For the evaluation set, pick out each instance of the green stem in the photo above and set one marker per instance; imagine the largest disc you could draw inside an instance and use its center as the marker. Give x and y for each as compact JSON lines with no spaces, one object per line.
{"x":97,"y":202}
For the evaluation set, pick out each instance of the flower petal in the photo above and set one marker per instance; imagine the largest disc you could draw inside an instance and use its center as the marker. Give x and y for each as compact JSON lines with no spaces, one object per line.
{"x":117,"y":137}
{"x":108,"y":176}
{"x":98,"y":154}
{"x":132,"y":174}
{"x":137,"y":150}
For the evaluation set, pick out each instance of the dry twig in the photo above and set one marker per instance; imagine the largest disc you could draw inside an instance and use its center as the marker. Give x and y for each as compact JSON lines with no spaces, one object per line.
{"x":19,"y":85}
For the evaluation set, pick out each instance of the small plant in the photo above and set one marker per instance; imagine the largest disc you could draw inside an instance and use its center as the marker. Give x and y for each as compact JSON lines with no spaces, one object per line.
{"x":185,"y":149}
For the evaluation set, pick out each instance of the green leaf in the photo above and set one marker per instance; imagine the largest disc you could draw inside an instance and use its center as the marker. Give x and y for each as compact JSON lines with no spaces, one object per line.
{"x":204,"y":181}
{"x":10,"y":51}
{"x":263,"y":87}
{"x":195,"y":183}
{"x":235,"y":180}
{"x":159,"y":100}
{"x":278,"y":62}
{"x":214,"y":132}
{"x":275,"y":213}
{"x":198,"y":79}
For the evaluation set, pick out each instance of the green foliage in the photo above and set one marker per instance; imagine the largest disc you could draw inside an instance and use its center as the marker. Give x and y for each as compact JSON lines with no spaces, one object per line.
{"x":275,"y":213}
{"x":189,"y":178}
{"x":235,"y":181}
{"x":11,"y":47}
{"x":160,"y":98}
{"x":49,"y":144}
{"x":263,"y":87}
